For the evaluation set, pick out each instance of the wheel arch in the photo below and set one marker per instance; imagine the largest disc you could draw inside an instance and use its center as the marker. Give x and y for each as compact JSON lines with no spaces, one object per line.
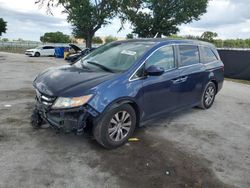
{"x":212,"y":78}
{"x":129,"y":101}
{"x":215,"y":83}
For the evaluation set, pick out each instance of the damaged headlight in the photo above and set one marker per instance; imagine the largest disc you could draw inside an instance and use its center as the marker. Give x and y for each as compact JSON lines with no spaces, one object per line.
{"x":62,"y":102}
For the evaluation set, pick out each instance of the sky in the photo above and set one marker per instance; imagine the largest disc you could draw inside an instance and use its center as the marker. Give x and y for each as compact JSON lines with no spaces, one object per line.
{"x":26,"y":20}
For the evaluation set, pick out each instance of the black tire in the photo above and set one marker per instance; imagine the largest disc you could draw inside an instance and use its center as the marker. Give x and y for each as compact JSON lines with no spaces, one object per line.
{"x":37,"y":54}
{"x":36,"y":120}
{"x":105,"y":123}
{"x":209,"y":92}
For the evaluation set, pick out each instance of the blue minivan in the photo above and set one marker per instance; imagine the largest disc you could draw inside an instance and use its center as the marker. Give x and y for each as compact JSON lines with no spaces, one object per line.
{"x":122,"y":84}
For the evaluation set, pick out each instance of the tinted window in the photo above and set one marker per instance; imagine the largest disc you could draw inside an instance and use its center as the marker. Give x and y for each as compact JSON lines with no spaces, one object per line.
{"x":48,"y":47}
{"x":189,"y":55}
{"x":207,"y":55}
{"x":164,"y":57}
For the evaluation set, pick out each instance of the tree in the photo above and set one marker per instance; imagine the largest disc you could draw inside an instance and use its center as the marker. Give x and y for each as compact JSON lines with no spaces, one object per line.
{"x":55,"y":37}
{"x":86,"y":16}
{"x":208,"y":36}
{"x":229,"y":43}
{"x":130,"y":36}
{"x":3,"y":26}
{"x":218,"y":43}
{"x":97,"y":40}
{"x":160,"y":17}
{"x":5,"y":39}
{"x":110,"y":39}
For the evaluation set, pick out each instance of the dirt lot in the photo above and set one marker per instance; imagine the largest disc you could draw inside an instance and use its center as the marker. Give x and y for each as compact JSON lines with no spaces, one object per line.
{"x":193,"y":148}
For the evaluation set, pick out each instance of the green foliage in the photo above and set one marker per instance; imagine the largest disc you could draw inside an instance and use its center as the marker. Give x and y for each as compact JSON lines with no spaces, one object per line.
{"x":162,"y":16}
{"x":218,"y":43}
{"x":209,"y":36}
{"x":55,"y":37}
{"x":110,"y":39}
{"x":174,"y":36}
{"x":97,"y":40}
{"x":130,"y":36}
{"x":3,"y":26}
{"x":5,"y":40}
{"x":86,"y":16}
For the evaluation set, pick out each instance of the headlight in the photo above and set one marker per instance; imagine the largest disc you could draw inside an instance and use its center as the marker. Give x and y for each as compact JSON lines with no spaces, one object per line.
{"x":62,"y":102}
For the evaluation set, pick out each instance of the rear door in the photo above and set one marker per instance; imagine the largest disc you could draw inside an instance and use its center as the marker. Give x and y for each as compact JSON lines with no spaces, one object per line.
{"x":161,"y":93}
{"x":44,"y":51}
{"x":192,"y":74}
{"x":50,"y":50}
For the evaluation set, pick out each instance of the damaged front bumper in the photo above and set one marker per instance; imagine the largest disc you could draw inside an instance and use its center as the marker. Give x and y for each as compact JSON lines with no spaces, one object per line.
{"x":73,"y":119}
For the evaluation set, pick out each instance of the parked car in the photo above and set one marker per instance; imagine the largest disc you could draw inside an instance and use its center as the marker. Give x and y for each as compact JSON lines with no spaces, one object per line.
{"x":79,"y":53}
{"x":41,"y":51}
{"x":123,"y":84}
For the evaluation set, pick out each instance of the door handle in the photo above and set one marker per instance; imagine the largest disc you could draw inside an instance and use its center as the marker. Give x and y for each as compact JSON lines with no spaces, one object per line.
{"x":176,"y":80}
{"x":180,"y":80}
{"x":184,"y":78}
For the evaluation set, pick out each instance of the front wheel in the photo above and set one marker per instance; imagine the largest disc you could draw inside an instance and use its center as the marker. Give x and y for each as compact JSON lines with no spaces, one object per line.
{"x":115,"y":126}
{"x":208,"y":96}
{"x":37,"y":54}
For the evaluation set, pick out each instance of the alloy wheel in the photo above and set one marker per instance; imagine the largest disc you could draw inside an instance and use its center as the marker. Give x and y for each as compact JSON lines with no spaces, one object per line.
{"x":119,"y":126}
{"x":209,"y":95}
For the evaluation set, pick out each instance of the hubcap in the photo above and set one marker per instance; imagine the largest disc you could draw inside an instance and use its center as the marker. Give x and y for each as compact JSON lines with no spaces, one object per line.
{"x":209,"y":95}
{"x":119,"y":126}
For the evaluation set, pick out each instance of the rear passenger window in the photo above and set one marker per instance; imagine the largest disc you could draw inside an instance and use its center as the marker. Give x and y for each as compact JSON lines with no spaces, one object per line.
{"x":189,"y":55}
{"x":48,"y":47}
{"x":163,"y":57}
{"x":207,"y":55}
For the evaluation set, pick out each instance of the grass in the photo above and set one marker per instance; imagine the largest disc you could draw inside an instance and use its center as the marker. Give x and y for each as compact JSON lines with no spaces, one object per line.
{"x":238,"y":81}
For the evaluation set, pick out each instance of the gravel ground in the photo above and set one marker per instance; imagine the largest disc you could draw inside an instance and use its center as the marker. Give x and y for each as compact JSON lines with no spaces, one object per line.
{"x":193,"y":148}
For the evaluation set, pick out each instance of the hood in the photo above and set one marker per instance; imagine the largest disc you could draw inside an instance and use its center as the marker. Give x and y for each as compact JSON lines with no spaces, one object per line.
{"x":69,"y":81}
{"x":76,"y":48}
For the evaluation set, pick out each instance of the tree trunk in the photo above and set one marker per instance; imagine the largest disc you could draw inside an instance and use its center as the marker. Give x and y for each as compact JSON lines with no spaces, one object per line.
{"x":89,"y":41}
{"x":158,"y":35}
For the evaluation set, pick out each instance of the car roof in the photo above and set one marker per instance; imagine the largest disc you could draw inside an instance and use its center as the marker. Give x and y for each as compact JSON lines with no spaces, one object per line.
{"x":168,"y":41}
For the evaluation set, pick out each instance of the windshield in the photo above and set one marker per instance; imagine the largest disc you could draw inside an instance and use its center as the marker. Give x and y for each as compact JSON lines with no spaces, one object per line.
{"x":114,"y":57}
{"x":39,"y":47}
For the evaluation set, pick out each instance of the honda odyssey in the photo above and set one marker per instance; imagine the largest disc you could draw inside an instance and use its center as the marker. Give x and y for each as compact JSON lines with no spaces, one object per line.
{"x":121,"y":85}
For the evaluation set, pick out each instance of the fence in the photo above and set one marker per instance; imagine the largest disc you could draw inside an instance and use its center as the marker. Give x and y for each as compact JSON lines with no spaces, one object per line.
{"x":18,"y":47}
{"x":237,"y":63}
{"x":22,"y":46}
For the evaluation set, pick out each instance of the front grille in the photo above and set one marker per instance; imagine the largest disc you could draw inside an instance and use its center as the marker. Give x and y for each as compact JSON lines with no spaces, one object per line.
{"x":45,"y":99}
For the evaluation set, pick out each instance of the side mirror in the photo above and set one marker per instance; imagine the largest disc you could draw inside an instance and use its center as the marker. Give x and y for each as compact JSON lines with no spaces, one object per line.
{"x":154,"y":71}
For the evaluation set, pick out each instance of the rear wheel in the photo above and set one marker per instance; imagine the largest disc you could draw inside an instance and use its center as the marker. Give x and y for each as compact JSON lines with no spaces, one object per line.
{"x":37,"y":54}
{"x":208,"y":96}
{"x":115,"y":126}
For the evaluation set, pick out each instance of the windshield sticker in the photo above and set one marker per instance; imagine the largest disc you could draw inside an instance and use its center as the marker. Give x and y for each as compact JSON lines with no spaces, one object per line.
{"x":128,"y":52}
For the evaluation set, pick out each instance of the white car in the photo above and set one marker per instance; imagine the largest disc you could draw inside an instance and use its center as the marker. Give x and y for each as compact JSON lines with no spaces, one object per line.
{"x":41,"y":51}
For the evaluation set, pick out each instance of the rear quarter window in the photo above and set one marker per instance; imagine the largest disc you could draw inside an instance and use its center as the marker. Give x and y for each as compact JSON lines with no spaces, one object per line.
{"x":207,"y":55}
{"x":189,"y":55}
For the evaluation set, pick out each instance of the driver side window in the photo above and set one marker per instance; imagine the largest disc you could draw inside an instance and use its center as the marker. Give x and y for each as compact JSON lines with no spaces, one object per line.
{"x":163,"y":57}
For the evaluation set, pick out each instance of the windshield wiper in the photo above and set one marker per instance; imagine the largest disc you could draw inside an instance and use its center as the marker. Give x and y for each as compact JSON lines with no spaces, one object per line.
{"x":100,"y":66}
